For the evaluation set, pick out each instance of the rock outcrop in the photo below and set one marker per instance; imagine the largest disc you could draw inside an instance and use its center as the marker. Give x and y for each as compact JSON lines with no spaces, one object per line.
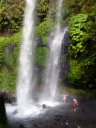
{"x":8,"y":96}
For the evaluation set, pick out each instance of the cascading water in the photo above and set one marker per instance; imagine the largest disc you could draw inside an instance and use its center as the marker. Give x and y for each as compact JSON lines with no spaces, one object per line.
{"x":25,"y":81}
{"x":53,"y":66}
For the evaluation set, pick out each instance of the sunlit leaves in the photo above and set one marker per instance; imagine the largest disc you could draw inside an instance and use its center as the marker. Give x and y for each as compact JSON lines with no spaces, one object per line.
{"x":41,"y":56}
{"x":82,"y":50}
{"x":11,"y":15}
{"x":79,"y":32}
{"x":44,"y":29}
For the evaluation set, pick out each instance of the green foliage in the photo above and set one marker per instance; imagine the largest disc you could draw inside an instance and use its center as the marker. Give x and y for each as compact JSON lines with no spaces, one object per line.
{"x":76,"y":71}
{"x":82,"y":94}
{"x":1,"y":126}
{"x":41,"y":56}
{"x":42,"y":7}
{"x":73,"y":7}
{"x":82,"y":73}
{"x":11,"y":15}
{"x":81,"y":15}
{"x":4,"y":41}
{"x":82,"y":51}
{"x":63,"y":58}
{"x":44,"y":29}
{"x":10,"y":57}
{"x":79,"y":28}
{"x":8,"y":78}
{"x":9,"y":61}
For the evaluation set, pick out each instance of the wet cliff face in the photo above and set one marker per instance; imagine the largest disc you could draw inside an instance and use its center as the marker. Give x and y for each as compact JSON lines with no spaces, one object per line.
{"x":65,"y":44}
{"x":64,"y":58}
{"x":7,"y":96}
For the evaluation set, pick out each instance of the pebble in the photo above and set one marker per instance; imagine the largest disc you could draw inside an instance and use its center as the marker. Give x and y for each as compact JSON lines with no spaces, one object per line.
{"x":78,"y":126}
{"x":66,"y":123}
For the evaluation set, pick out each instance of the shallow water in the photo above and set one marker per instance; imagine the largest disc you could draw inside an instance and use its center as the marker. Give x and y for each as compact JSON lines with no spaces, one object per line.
{"x":54,"y":116}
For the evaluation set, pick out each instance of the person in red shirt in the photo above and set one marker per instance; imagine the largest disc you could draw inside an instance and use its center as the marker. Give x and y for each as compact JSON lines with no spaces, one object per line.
{"x":74,"y":106}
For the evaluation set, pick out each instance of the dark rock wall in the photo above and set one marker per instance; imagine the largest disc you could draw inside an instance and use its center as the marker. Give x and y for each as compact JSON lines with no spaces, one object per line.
{"x":3,"y":119}
{"x":64,"y":52}
{"x":8,"y":96}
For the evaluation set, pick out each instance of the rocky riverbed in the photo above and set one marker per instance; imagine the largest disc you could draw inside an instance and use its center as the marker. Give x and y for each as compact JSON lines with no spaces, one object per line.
{"x":60,"y":116}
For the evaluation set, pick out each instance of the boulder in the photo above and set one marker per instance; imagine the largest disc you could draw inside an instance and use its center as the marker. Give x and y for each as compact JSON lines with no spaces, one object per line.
{"x":9,"y":96}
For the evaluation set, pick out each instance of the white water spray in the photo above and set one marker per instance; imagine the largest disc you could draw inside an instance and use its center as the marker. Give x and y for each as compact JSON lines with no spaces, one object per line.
{"x":53,"y":66}
{"x":25,"y":76}
{"x":25,"y":83}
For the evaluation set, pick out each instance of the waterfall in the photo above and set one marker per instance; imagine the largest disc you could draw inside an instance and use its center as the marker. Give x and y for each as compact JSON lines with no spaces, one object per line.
{"x":25,"y":80}
{"x":53,"y":67}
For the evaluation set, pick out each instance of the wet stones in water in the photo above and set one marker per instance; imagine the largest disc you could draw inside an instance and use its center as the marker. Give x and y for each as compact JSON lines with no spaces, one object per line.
{"x":21,"y":126}
{"x":35,"y":125}
{"x":78,"y":126}
{"x":44,"y":106}
{"x":58,"y":117}
{"x":83,"y":110}
{"x":15,"y":112}
{"x":66,"y":123}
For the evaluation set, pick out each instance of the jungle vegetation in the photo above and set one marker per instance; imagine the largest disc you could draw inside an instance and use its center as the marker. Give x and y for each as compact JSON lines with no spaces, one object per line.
{"x":80,"y":15}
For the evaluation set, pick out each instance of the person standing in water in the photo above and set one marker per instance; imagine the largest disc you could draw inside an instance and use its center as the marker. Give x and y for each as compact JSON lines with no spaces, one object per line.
{"x":64,"y":98}
{"x":74,"y":105}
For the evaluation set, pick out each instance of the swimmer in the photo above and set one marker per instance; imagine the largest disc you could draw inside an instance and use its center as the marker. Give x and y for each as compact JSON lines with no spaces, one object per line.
{"x":75,"y":100}
{"x":64,"y":98}
{"x":74,"y":105}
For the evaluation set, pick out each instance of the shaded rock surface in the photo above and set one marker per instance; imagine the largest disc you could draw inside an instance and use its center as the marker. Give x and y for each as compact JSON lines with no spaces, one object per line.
{"x":9,"y":96}
{"x":65,"y":60}
{"x":9,"y":47}
{"x":3,"y":119}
